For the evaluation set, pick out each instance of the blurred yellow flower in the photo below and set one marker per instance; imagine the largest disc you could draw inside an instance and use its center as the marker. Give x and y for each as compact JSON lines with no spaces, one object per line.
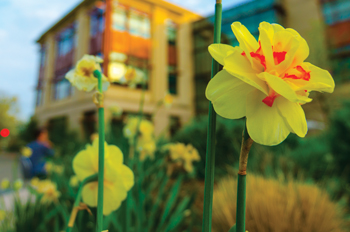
{"x":146,"y":146}
{"x":93,"y":136}
{"x":18,"y":184}
{"x":133,"y":77}
{"x":2,"y":215}
{"x":34,"y":182}
{"x":168,"y":100}
{"x":118,"y":178}
{"x":49,"y":166}
{"x":5,"y":184}
{"x":74,"y":181}
{"x":82,"y":76}
{"x":116,"y":110}
{"x":266,"y":81}
{"x":59,"y":169}
{"x":48,"y":190}
{"x":26,"y":152}
{"x":184,"y":154}
{"x":129,"y":130}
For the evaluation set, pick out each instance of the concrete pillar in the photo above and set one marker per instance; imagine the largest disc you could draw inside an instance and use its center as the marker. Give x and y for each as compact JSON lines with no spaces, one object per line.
{"x":305,"y":16}
{"x":159,"y":77}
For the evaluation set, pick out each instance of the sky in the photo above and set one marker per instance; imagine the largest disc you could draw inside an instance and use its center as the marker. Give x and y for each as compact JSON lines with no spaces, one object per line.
{"x":23,"y":21}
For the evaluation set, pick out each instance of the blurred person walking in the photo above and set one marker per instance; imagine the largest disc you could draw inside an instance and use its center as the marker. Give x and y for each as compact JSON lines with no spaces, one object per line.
{"x":34,"y":166}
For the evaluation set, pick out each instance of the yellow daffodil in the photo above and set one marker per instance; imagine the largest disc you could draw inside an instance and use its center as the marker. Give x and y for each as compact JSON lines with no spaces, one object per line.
{"x":59,"y":169}
{"x":266,"y":81}
{"x":49,"y":166}
{"x":82,"y":76}
{"x":2,"y":215}
{"x":34,"y":182}
{"x":146,"y":145}
{"x":168,"y":100}
{"x":26,"y":152}
{"x":74,"y":181}
{"x":18,"y":184}
{"x":185,"y":154}
{"x":48,"y":190}
{"x":5,"y":184}
{"x":116,"y":110}
{"x":118,"y":178}
{"x":93,"y":136}
{"x":146,"y":128}
{"x":133,"y":77}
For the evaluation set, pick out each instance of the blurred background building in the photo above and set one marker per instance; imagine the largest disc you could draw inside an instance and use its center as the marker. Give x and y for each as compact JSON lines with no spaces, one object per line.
{"x":153,"y":37}
{"x":169,"y":45}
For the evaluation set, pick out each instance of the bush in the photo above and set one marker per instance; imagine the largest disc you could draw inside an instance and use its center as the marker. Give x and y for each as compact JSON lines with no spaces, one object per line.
{"x":277,"y":207}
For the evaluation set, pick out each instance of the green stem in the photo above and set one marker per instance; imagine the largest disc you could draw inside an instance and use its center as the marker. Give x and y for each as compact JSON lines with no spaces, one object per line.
{"x":101,"y":136}
{"x":210,"y":154}
{"x":78,"y":197}
{"x":241,"y":184}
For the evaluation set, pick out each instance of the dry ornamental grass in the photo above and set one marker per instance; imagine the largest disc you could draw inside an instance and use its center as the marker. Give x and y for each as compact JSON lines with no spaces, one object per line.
{"x":276,"y":207}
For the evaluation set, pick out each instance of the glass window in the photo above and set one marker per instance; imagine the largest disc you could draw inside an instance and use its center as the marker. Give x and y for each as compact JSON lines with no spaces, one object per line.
{"x":172,"y":56}
{"x":62,"y":89}
{"x":39,"y":97}
{"x":65,"y":42}
{"x":119,"y":18}
{"x":42,"y":56}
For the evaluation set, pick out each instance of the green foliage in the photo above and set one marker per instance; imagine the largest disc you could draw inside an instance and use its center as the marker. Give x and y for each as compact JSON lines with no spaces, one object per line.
{"x":339,"y":136}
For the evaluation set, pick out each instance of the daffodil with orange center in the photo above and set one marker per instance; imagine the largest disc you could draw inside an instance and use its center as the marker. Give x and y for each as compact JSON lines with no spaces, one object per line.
{"x":118,"y":178}
{"x":266,"y":81}
{"x":83,"y":77}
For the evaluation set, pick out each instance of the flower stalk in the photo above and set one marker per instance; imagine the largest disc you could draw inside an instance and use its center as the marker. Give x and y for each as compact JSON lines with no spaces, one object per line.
{"x":101,"y":134}
{"x":77,"y":201}
{"x":210,"y":152}
{"x":241,"y":184}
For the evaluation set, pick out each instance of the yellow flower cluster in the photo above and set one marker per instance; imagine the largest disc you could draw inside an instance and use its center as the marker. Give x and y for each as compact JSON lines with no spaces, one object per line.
{"x":18,"y":184}
{"x":83,"y":77}
{"x":146,"y":143}
{"x":74,"y":181}
{"x":47,"y":189}
{"x":2,"y":215}
{"x":183,"y":155}
{"x":168,"y":100}
{"x":116,"y":110}
{"x":54,"y":168}
{"x":118,"y":178}
{"x":5,"y":184}
{"x":26,"y":152}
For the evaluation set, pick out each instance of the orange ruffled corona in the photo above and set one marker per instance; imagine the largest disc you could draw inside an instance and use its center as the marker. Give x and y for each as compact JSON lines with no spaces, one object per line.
{"x":266,"y":81}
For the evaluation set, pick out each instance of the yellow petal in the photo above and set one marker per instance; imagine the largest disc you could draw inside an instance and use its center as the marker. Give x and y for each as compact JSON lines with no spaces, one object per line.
{"x":264,"y":124}
{"x":89,"y":194}
{"x":228,"y":95}
{"x":268,"y":29}
{"x":239,"y":66}
{"x":303,"y":50}
{"x":244,"y":37}
{"x":113,"y":195}
{"x":320,"y":79}
{"x":282,"y":88}
{"x":127,"y":177}
{"x":220,"y":51}
{"x":293,"y":114}
{"x":84,"y":164}
{"x":266,"y":36}
{"x":247,"y":42}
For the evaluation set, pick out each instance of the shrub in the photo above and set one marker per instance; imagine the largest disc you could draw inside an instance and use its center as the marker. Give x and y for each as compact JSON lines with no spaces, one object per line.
{"x":277,"y":207}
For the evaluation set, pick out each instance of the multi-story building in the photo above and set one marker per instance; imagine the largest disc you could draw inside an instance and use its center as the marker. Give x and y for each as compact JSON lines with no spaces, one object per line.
{"x":152,"y":36}
{"x":336,"y":14}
